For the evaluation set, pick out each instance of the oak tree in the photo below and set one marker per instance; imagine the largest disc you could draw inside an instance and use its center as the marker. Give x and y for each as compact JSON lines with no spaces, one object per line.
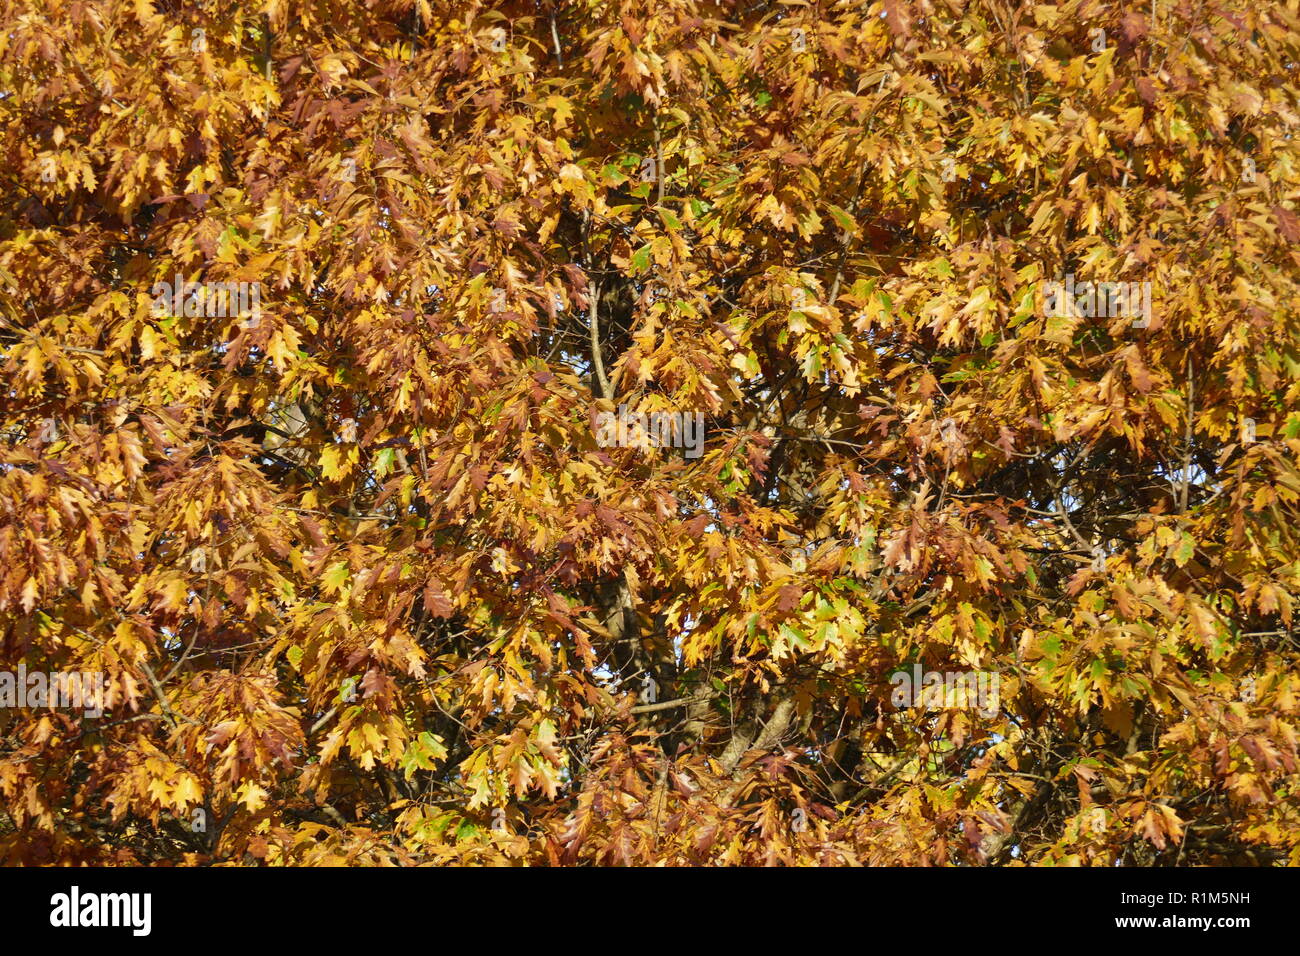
{"x":309,"y":316}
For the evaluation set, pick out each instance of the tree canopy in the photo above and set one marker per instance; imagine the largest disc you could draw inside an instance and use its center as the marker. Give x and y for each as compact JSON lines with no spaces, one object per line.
{"x":310,"y":318}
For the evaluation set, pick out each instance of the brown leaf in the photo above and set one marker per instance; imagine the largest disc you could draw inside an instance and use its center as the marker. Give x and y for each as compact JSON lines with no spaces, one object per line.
{"x":1287,"y":223}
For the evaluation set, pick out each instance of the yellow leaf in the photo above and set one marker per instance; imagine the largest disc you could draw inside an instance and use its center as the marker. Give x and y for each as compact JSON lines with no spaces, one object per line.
{"x":332,"y":463}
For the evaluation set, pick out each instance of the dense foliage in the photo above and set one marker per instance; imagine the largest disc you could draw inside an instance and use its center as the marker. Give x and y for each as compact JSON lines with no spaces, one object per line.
{"x":363,"y":585}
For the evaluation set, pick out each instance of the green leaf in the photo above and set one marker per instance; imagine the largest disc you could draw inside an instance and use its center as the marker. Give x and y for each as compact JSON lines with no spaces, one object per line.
{"x":641,"y":259}
{"x":841,"y":217}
